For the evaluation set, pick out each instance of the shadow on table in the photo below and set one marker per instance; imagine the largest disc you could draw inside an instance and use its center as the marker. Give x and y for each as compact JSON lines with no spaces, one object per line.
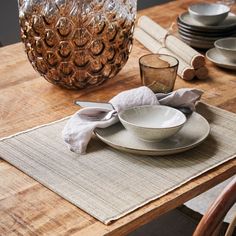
{"x":173,"y":223}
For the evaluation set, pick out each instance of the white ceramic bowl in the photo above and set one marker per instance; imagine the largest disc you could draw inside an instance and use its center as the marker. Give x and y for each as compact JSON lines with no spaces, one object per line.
{"x":209,"y":13}
{"x":227,"y":47}
{"x":152,"y":122}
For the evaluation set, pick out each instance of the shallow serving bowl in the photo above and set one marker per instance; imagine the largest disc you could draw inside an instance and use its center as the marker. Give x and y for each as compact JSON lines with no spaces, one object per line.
{"x":227,"y":47}
{"x":152,"y":122}
{"x":209,"y":13}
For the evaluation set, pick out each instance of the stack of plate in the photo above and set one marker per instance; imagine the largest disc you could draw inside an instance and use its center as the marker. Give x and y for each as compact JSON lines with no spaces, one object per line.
{"x":202,"y":36}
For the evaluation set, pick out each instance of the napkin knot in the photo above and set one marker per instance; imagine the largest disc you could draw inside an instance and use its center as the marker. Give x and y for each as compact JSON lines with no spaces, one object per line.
{"x":134,"y":97}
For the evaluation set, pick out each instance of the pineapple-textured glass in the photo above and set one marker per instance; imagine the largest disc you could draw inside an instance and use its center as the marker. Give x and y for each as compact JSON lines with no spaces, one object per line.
{"x":77,"y":43}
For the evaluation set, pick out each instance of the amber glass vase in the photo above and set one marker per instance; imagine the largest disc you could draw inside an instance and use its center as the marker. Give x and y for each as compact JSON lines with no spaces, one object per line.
{"x":77,"y":43}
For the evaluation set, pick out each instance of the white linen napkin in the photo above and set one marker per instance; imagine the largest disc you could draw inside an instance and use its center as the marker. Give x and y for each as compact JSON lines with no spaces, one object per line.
{"x":79,"y":130}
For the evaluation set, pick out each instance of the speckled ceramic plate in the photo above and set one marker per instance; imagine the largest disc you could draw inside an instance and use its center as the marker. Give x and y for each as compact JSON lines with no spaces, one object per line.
{"x":188,"y":22}
{"x":208,"y":34}
{"x":200,"y":37}
{"x":197,"y":43}
{"x":195,"y":131}
{"x":217,"y":58}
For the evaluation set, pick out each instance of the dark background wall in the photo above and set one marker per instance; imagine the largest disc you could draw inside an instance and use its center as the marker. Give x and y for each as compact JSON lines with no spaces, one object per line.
{"x":148,"y":3}
{"x":9,"y":26}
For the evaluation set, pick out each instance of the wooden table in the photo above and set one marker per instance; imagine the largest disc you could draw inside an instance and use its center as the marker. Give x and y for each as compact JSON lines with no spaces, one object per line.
{"x":27,"y":100}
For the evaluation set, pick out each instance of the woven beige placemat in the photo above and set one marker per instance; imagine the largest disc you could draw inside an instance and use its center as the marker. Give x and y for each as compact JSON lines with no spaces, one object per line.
{"x":109,"y":184}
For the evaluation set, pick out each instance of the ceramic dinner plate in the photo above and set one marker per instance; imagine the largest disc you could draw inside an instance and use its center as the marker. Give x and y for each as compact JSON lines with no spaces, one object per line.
{"x":188,"y":22}
{"x":217,"y":58}
{"x":195,"y":131}
{"x":219,"y":33}
{"x":206,"y":37}
{"x":202,"y":42}
{"x":196,"y":43}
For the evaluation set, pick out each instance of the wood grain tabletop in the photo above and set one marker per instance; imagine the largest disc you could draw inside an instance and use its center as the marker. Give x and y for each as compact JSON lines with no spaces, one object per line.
{"x":27,"y":100}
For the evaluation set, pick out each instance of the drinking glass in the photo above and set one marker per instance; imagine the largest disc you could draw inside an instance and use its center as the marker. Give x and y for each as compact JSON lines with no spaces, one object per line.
{"x":158,"y":72}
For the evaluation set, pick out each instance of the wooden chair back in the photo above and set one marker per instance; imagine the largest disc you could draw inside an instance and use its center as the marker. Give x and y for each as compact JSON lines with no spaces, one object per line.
{"x":213,"y":218}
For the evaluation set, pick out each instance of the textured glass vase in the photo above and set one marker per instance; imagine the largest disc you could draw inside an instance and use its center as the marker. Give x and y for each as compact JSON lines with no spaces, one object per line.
{"x":77,"y":43}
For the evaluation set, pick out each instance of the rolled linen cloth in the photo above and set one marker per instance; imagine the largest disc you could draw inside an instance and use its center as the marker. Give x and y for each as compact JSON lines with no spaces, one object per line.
{"x":79,"y":130}
{"x":188,"y":54}
{"x":202,"y":73}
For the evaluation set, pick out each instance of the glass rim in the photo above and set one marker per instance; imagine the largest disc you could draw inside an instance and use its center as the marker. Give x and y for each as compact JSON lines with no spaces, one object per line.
{"x":158,"y":54}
